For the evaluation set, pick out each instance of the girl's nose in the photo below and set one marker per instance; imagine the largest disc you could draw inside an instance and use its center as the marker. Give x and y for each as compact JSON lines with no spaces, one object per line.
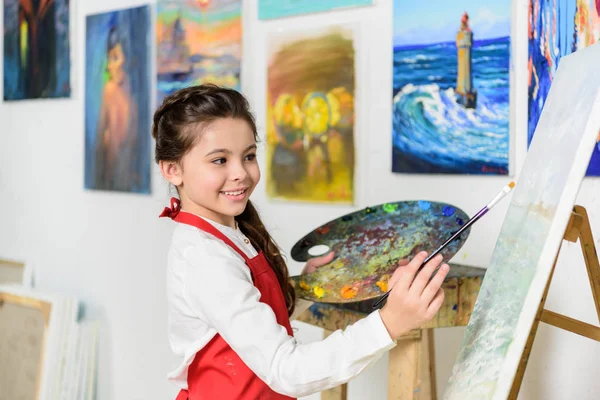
{"x":238,"y":172}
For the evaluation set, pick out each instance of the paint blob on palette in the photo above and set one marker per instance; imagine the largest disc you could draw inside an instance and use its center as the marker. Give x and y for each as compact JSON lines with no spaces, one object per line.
{"x":370,"y":243}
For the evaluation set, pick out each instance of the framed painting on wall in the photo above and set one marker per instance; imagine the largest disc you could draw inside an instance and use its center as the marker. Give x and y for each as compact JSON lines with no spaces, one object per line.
{"x":271,"y":9}
{"x":310,"y":115}
{"x":450,"y":112}
{"x":557,"y":29}
{"x":37,"y":59}
{"x":117,"y":101}
{"x":198,"y":42}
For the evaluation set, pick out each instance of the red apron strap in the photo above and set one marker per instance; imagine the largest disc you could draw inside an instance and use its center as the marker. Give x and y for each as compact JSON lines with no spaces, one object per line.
{"x":175,"y":213}
{"x":182,"y":395}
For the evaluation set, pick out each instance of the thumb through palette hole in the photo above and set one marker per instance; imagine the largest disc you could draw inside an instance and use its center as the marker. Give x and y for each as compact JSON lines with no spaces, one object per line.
{"x":318,"y":250}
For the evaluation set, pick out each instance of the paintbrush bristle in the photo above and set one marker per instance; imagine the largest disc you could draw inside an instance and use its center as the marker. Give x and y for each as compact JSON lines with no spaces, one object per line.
{"x":511,"y":185}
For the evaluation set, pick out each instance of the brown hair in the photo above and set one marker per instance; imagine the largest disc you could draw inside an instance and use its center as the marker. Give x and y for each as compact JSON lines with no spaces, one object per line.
{"x":171,"y":128}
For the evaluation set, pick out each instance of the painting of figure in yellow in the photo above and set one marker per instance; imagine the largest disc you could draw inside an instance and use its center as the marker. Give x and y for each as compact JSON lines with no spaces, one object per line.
{"x":310,"y":116}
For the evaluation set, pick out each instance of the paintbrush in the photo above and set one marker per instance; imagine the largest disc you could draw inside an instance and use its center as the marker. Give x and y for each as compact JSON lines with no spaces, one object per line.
{"x":505,"y":190}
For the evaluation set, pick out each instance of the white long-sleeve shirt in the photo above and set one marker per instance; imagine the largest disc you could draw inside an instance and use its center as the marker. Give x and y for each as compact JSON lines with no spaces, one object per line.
{"x":210,"y":291}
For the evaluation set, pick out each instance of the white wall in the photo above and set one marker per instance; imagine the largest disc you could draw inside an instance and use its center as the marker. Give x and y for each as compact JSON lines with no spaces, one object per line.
{"x":109,"y":249}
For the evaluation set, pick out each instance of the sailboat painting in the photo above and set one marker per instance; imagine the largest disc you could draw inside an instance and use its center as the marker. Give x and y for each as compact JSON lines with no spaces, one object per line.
{"x":198,"y":42}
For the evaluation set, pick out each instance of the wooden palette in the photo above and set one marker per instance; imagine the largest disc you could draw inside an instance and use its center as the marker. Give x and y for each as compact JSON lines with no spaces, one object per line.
{"x":368,"y":245}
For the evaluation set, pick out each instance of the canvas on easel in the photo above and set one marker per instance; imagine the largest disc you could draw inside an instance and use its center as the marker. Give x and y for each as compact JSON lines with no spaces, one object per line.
{"x":531,"y":234}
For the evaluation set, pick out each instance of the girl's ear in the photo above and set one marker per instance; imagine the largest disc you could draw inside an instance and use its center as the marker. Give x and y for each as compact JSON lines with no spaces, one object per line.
{"x":172,"y":172}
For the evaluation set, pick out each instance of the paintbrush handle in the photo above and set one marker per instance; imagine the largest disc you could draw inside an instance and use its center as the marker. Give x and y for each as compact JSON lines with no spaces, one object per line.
{"x":456,"y":234}
{"x":470,"y":222}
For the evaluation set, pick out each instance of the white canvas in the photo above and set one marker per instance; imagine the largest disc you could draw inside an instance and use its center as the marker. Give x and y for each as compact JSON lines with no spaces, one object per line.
{"x":532,"y":232}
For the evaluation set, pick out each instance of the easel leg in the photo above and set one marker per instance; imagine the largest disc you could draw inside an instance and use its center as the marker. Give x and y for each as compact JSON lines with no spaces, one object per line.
{"x":428,"y":383}
{"x":578,"y":229}
{"x":586,"y":239}
{"x":411,"y":371}
{"x":336,"y":393}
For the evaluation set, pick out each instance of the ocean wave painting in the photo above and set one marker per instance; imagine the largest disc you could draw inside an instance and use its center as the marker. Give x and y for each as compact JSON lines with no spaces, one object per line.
{"x":557,"y":29}
{"x":451,"y":87}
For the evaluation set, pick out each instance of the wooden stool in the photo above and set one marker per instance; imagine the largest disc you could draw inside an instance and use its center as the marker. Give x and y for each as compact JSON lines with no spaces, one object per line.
{"x":411,"y":370}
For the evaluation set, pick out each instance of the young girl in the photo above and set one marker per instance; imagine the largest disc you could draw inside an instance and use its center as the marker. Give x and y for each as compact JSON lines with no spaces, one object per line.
{"x":229,"y":296}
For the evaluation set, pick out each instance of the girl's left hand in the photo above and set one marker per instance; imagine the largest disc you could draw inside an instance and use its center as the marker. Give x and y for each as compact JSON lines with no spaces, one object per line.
{"x":316,"y":262}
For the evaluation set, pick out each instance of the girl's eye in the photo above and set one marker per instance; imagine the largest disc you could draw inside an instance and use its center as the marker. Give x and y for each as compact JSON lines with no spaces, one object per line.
{"x":218,"y":161}
{"x":251,"y":157}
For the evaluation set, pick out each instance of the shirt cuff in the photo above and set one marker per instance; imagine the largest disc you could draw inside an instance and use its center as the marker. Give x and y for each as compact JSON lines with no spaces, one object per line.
{"x":379,"y":336}
{"x":373,"y":335}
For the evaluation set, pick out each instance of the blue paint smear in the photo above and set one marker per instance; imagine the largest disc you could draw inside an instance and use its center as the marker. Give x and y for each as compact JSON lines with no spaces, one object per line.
{"x":425,"y":205}
{"x":315,"y":310}
{"x":448,"y":210}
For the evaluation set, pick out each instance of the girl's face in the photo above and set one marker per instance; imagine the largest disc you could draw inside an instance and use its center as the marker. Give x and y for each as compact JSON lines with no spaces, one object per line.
{"x":215,"y":179}
{"x":116,"y":59}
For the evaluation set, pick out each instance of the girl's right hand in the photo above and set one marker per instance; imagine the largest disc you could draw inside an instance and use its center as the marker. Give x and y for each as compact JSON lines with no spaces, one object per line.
{"x":413,"y":301}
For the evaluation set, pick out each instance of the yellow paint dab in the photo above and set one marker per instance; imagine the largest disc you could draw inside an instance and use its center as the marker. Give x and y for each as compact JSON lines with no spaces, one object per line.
{"x":304,"y":285}
{"x":319,"y":291}
{"x":382,"y":285}
{"x":348,"y":292}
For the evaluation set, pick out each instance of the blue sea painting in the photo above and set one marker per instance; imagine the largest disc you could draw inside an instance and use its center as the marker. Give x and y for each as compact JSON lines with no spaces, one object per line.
{"x":451,"y":87}
{"x":37,"y":61}
{"x":117,"y":101}
{"x":557,"y":29}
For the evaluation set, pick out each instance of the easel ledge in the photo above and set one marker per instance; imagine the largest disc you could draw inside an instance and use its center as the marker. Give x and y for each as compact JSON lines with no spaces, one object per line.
{"x":578,"y":228}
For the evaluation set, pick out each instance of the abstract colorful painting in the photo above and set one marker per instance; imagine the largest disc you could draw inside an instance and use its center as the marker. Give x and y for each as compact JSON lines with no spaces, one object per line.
{"x":198,"y":42}
{"x":451,"y":87}
{"x":310,"y":115}
{"x":269,"y":9}
{"x":532,"y":232}
{"x":117,"y":101}
{"x":370,"y":243}
{"x":556,"y":29}
{"x":37,"y":61}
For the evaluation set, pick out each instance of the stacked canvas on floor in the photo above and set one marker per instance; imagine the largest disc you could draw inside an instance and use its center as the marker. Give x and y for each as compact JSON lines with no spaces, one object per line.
{"x":65,"y":368}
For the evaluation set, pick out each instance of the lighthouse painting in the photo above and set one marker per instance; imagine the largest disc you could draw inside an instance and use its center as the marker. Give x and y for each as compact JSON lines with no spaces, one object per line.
{"x":450,"y":112}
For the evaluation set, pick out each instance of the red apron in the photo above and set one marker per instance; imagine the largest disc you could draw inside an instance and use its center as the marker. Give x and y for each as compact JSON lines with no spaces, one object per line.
{"x":217,"y":372}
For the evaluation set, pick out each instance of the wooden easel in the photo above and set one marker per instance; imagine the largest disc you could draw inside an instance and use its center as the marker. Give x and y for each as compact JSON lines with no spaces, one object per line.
{"x":578,"y":228}
{"x":411,"y":365}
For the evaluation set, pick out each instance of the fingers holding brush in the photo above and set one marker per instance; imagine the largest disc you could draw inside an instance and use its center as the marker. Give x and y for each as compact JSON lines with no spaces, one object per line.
{"x":410,"y":306}
{"x":435,"y":284}
{"x":405,"y":274}
{"x":423,"y":277}
{"x":436,"y":303}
